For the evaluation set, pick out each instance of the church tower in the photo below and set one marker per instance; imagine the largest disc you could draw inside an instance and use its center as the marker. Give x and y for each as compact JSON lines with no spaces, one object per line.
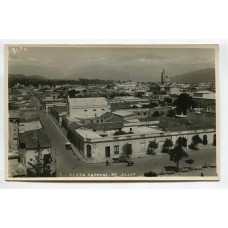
{"x":163,"y":77}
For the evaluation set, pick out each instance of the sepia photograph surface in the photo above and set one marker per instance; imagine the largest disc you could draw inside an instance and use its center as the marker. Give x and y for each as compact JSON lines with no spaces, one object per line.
{"x":111,"y":112}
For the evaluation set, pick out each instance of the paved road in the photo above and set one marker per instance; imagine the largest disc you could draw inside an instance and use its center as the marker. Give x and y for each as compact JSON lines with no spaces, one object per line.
{"x":66,"y":161}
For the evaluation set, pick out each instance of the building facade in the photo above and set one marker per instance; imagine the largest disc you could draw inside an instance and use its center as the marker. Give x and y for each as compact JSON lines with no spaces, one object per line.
{"x":93,"y":146}
{"x":87,"y":107}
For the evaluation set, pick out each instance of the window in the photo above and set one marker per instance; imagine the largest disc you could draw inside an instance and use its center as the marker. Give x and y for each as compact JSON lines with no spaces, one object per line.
{"x":138,"y":113}
{"x":97,"y":121}
{"x":85,"y":110}
{"x":116,"y":149}
{"x":144,"y":113}
{"x":91,"y":121}
{"x":94,"y":110}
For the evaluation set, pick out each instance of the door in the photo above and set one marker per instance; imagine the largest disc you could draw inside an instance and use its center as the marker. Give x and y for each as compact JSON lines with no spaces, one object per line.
{"x":107,"y":151}
{"x":89,"y":153}
{"x":142,"y":146}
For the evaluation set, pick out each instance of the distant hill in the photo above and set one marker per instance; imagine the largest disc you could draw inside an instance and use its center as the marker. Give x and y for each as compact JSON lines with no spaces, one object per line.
{"x":204,"y":75}
{"x":22,"y":76}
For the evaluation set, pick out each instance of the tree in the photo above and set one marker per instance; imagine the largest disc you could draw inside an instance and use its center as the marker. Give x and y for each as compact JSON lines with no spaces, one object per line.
{"x":181,"y":141}
{"x":190,"y":162}
{"x":171,"y":113}
{"x":195,"y":141}
{"x":126,"y":150}
{"x":168,"y":100}
{"x":41,"y":168}
{"x":176,"y":154}
{"x":152,"y":147}
{"x":184,"y":102}
{"x":168,"y":144}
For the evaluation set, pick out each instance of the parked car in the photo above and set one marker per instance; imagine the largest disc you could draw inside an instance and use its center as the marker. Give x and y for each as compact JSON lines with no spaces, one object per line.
{"x":68,"y":146}
{"x":115,"y":159}
{"x":130,"y":163}
{"x":212,"y":165}
{"x":199,"y":168}
{"x":120,"y":159}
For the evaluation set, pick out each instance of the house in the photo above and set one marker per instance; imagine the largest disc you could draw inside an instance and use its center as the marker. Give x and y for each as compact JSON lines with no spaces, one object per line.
{"x":58,"y":112}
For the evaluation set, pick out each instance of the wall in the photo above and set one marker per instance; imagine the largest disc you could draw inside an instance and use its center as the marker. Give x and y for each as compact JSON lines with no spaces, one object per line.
{"x":91,"y":111}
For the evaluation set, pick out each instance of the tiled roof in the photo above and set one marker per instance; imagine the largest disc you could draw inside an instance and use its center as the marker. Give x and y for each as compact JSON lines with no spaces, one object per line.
{"x":14,"y":114}
{"x":59,"y":109}
{"x":73,"y":126}
{"x":30,"y":139}
{"x":23,"y":120}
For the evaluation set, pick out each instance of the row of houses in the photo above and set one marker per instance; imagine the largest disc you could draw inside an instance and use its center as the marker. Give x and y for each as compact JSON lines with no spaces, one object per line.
{"x":99,"y":135}
{"x":26,"y":136}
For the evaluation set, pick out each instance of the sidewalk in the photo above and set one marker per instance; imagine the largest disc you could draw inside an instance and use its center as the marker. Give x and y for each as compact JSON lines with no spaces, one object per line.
{"x":74,"y":149}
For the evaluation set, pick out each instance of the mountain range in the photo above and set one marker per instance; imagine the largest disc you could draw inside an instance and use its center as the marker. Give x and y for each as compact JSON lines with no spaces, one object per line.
{"x":22,"y":76}
{"x":204,"y":75}
{"x":100,"y":72}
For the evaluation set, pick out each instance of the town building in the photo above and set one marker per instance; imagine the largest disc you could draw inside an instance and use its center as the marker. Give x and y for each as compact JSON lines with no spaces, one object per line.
{"x":87,"y":107}
{"x":58,"y":112}
{"x":98,"y":147}
{"x":206,"y":100}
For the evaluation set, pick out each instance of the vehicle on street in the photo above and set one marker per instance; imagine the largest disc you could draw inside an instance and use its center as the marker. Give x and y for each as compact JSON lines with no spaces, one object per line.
{"x":130,"y":163}
{"x":120,"y":159}
{"x":68,"y":146}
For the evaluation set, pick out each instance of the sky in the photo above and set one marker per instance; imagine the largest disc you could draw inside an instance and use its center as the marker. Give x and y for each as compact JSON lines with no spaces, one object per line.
{"x":139,"y":63}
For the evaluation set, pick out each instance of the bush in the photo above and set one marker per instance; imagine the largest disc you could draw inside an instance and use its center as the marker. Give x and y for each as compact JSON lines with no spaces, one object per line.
{"x":192,"y":146}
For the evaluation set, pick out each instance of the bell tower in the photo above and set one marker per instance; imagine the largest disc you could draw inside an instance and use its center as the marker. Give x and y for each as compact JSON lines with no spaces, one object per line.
{"x":163,"y":77}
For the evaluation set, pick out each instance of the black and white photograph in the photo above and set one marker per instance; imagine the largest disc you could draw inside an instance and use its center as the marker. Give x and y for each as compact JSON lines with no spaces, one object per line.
{"x":112,"y":112}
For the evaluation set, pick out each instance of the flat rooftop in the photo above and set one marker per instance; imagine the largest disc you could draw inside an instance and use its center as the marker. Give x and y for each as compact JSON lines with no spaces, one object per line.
{"x":123,"y":113}
{"x":86,"y":133}
{"x":137,"y":130}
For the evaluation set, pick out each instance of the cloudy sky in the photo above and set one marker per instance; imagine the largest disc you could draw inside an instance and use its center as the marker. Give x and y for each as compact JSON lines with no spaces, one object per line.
{"x":142,"y":63}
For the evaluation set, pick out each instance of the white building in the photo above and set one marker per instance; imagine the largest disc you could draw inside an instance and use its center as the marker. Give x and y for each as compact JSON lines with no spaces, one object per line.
{"x":87,"y":107}
{"x":99,"y":148}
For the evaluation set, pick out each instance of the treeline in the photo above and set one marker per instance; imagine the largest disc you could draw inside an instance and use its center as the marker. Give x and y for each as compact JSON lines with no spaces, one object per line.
{"x":87,"y":81}
{"x":35,"y":81}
